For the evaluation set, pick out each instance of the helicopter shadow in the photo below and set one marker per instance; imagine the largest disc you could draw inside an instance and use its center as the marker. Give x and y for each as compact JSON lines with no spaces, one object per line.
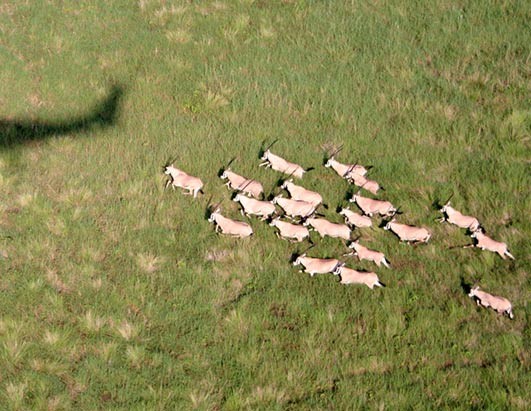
{"x":17,"y":132}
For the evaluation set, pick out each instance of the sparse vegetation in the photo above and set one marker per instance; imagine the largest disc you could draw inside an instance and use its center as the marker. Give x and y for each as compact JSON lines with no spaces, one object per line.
{"x":116,"y":294}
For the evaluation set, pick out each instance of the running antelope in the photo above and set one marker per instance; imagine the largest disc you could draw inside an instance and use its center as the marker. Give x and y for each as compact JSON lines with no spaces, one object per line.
{"x":370,"y":185}
{"x":487,"y":243}
{"x":453,"y":216}
{"x":355,"y":219}
{"x":408,"y":233}
{"x":345,"y":170}
{"x":181,"y":179}
{"x":326,"y":228}
{"x":251,"y":206}
{"x":370,"y":206}
{"x":363,"y":253}
{"x":500,"y":304}
{"x":288,"y":230}
{"x":279,"y":164}
{"x":350,"y":276}
{"x":300,"y":193}
{"x":294,"y":208}
{"x":230,"y":227}
{"x":239,"y":183}
{"x":317,"y":265}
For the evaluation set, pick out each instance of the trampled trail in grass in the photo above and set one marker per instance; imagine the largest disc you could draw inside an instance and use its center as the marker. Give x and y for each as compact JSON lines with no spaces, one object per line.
{"x":118,"y":294}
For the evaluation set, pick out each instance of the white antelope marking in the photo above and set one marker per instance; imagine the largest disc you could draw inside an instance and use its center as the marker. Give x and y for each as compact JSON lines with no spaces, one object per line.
{"x":326,"y":228}
{"x":255,"y":207}
{"x":500,"y":304}
{"x":240,"y":183}
{"x":370,"y":206}
{"x":279,"y":164}
{"x":355,"y":219}
{"x":408,"y":233}
{"x":317,"y":265}
{"x":455,"y":217}
{"x":487,"y":243}
{"x":230,"y":227}
{"x":350,"y":276}
{"x":179,"y":178}
{"x":363,"y":253}
{"x":300,"y":193}
{"x":294,"y":208}
{"x":288,"y":230}
{"x":345,"y":170}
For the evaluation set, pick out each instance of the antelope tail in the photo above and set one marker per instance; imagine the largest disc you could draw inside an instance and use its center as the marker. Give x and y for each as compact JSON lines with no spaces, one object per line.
{"x":386,"y":263}
{"x":379,"y":284}
{"x":508,"y":254}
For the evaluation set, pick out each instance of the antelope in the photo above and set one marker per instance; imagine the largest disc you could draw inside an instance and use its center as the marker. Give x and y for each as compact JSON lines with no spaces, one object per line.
{"x":500,"y":304}
{"x":408,"y":233}
{"x":363,"y":253}
{"x":181,"y":179}
{"x":279,"y":164}
{"x":370,"y":206}
{"x":288,"y":230}
{"x":294,"y":208}
{"x":317,"y":265}
{"x":239,"y":183}
{"x":487,"y":243}
{"x":345,"y":170}
{"x":325,"y":227}
{"x":453,"y":216}
{"x":255,"y":207}
{"x":355,"y":219}
{"x":300,"y":193}
{"x":370,"y":185}
{"x":230,"y":227}
{"x":350,"y":276}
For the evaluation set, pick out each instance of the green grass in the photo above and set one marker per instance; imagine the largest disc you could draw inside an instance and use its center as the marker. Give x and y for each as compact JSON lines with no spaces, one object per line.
{"x":116,"y":294}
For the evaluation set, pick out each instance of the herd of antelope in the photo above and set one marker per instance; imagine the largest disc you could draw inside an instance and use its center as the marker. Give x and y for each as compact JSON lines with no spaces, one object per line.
{"x":298,"y":215}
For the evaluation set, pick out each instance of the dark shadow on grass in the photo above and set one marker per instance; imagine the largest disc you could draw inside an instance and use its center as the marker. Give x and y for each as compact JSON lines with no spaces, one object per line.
{"x":15,"y":132}
{"x":466,"y":287}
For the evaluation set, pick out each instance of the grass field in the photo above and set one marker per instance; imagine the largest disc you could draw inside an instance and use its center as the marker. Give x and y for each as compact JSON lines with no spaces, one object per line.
{"x":116,"y":294}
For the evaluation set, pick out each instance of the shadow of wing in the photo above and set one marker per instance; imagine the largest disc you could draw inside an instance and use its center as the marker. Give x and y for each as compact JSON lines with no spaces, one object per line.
{"x":104,"y":114}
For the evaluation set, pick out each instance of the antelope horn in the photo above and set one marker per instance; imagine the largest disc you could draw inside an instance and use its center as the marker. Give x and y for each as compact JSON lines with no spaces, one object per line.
{"x":231,"y":161}
{"x":337,"y":150}
{"x":270,"y":145}
{"x":449,"y":198}
{"x":308,"y":249}
{"x":246,"y":184}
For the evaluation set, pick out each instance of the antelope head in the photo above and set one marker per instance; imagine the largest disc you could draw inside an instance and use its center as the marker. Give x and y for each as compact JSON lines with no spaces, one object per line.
{"x":285,"y":183}
{"x":445,"y":207}
{"x":473,"y":291}
{"x":355,"y":196}
{"x":476,"y":233}
{"x":213,"y":215}
{"x":354,"y":243}
{"x":170,"y":169}
{"x":298,"y":260}
{"x":265,"y":155}
{"x":224,"y":175}
{"x":273,"y":222}
{"x":388,"y":225}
